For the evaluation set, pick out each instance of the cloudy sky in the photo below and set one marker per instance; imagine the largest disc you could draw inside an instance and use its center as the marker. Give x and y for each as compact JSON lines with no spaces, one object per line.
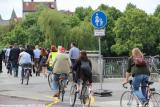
{"x":6,"y":6}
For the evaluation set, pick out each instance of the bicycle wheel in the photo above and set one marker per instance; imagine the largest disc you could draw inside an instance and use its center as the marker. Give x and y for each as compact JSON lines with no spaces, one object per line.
{"x":128,"y":100}
{"x":61,"y":89}
{"x":50,"y":79}
{"x":73,"y":95}
{"x":27,"y":76}
{"x":84,"y":97}
{"x":154,"y":100}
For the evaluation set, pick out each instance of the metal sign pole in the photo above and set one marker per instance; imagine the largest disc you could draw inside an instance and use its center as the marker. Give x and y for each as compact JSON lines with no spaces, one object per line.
{"x":100,"y":62}
{"x":99,"y":21}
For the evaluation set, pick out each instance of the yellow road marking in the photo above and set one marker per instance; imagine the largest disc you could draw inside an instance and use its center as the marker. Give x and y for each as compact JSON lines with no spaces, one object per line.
{"x":55,"y":101}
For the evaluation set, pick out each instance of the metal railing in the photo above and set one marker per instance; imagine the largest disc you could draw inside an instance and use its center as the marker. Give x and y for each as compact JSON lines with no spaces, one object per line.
{"x":114,"y":66}
{"x":117,"y":66}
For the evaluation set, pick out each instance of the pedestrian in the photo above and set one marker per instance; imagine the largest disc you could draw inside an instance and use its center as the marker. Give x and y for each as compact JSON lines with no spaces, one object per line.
{"x":1,"y":57}
{"x":13,"y":57}
{"x":137,"y":68}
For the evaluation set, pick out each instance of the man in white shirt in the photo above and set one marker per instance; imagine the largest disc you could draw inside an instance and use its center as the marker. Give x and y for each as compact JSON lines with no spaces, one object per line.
{"x":24,"y":60}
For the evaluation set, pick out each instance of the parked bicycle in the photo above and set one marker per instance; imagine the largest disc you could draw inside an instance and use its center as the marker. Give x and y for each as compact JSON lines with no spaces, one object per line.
{"x":26,"y":70}
{"x":153,"y":62}
{"x":84,"y":94}
{"x":129,"y":99}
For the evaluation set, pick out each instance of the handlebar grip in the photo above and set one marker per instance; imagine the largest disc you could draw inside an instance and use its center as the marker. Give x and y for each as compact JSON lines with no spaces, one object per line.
{"x":125,"y":86}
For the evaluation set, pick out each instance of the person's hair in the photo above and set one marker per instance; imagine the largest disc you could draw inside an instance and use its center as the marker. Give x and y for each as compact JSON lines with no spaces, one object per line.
{"x":73,"y":43}
{"x":83,"y":55}
{"x":22,"y":50}
{"x":10,"y":46}
{"x":136,"y":52}
{"x":28,"y":46}
{"x":36,"y":46}
{"x":43,"y":52}
{"x":53,"y":48}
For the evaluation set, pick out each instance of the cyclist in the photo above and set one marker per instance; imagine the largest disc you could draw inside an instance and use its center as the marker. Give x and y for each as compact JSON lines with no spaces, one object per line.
{"x":61,"y":65}
{"x":51,"y":57}
{"x":83,"y":66}
{"x":74,"y":54}
{"x":43,"y":60}
{"x":24,"y":60}
{"x":37,"y":53}
{"x":140,"y":74}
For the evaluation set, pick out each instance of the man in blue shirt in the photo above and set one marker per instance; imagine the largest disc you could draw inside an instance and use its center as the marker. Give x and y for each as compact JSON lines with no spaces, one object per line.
{"x":74,"y":54}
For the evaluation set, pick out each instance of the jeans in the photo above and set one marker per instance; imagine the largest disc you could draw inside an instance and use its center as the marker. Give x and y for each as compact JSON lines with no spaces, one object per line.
{"x":140,"y":93}
{"x":56,"y":80}
{"x":15,"y":68}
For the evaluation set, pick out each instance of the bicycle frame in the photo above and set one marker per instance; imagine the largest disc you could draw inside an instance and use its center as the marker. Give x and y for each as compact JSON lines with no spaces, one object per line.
{"x":150,"y":94}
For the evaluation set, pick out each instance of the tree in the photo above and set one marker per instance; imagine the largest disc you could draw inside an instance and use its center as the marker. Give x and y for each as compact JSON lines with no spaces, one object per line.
{"x":129,"y":31}
{"x":84,"y":13}
{"x":157,"y":11}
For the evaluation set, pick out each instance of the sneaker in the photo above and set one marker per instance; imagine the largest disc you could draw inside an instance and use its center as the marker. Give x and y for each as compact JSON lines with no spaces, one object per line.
{"x":56,"y":95}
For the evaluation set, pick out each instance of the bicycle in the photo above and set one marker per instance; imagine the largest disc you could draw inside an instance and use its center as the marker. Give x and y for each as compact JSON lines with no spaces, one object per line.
{"x":37,"y":67}
{"x":50,"y":79}
{"x":85,"y":94}
{"x":128,"y":99}
{"x":153,"y":64}
{"x":62,"y":83}
{"x":26,"y":70}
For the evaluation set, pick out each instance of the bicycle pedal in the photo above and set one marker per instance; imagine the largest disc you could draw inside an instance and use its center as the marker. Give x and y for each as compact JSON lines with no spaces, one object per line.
{"x":152,"y":89}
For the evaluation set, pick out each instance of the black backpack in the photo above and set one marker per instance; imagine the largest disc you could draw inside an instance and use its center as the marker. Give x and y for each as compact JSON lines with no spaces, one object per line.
{"x":85,"y":66}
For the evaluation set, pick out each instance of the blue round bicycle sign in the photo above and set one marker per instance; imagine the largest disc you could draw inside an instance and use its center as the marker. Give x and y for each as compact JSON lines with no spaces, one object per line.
{"x":99,"y":20}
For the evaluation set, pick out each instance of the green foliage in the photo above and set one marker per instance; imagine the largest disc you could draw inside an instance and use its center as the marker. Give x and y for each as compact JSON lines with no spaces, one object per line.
{"x":84,"y":13}
{"x":157,"y":11}
{"x":124,"y":31}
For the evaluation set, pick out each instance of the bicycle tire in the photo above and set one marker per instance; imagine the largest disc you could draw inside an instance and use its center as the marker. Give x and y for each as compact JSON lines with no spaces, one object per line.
{"x":154,"y":100}
{"x":128,"y":100}
{"x":61,"y":89}
{"x":50,"y":79}
{"x":84,"y":97}
{"x":27,"y":76}
{"x":73,"y":94}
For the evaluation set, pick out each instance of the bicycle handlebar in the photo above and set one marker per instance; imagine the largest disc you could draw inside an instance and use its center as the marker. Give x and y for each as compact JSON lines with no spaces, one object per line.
{"x":154,"y":56}
{"x":124,"y":86}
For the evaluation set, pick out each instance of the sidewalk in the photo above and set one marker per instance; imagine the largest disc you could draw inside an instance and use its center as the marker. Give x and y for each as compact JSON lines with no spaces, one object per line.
{"x":38,"y":89}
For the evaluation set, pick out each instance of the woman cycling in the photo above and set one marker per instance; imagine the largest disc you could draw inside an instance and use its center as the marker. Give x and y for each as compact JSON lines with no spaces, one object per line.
{"x":83,"y":67}
{"x":137,"y":68}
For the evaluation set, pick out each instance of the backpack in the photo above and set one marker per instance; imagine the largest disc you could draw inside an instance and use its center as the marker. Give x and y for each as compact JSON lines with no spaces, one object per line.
{"x":139,"y":61}
{"x":85,"y":66}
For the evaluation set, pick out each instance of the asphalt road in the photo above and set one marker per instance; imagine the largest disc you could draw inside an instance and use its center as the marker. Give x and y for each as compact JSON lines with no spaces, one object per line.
{"x":38,"y":92}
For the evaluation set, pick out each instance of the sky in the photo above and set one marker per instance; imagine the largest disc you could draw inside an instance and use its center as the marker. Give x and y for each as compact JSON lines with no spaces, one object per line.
{"x":149,"y":6}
